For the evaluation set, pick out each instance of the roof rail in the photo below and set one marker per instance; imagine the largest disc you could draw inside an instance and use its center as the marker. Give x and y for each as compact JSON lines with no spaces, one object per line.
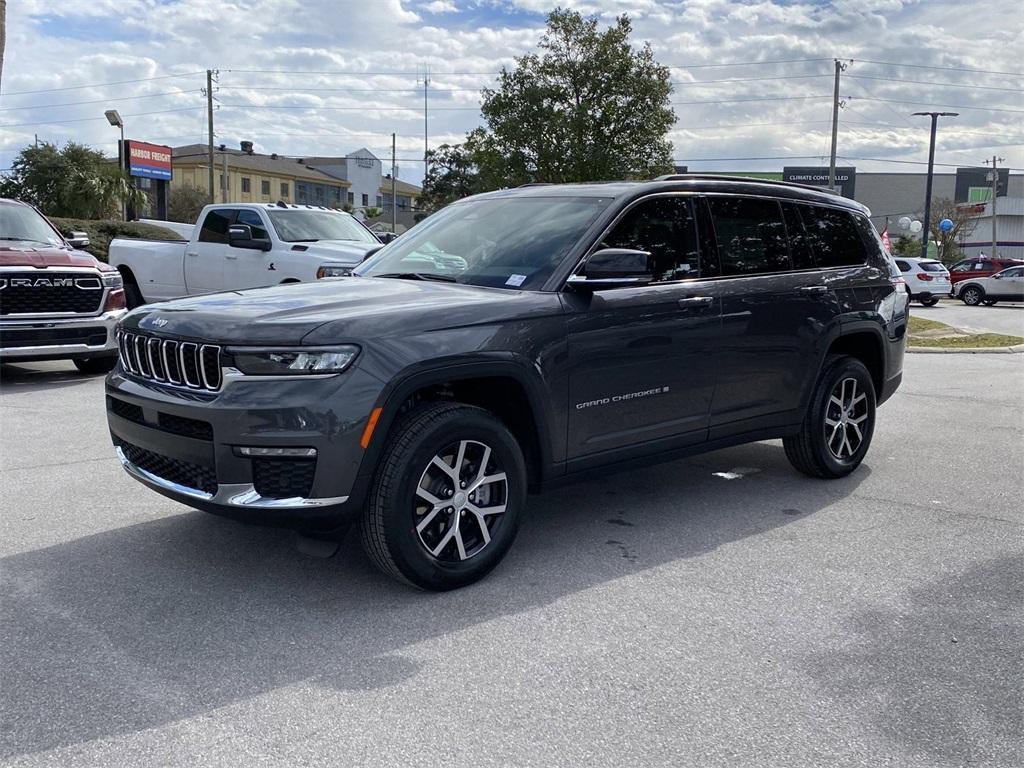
{"x":535,"y":184}
{"x":730,"y":177}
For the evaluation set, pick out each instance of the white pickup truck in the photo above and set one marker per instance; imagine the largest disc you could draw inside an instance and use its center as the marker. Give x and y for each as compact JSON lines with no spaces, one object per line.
{"x":243,"y":245}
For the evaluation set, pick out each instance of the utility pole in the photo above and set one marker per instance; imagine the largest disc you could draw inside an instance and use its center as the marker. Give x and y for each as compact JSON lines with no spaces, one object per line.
{"x":926,"y":232}
{"x":426,"y":157}
{"x":209,"y":122}
{"x":224,"y":178}
{"x":836,"y":104}
{"x":394,"y":188}
{"x":995,"y":193}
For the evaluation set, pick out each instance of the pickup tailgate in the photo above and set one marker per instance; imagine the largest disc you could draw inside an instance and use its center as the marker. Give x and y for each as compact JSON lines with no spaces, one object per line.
{"x":157,"y":265}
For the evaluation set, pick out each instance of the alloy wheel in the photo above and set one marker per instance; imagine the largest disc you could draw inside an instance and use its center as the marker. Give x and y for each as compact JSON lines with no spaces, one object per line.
{"x":460,"y":498}
{"x":972,"y":297}
{"x":845,"y":414}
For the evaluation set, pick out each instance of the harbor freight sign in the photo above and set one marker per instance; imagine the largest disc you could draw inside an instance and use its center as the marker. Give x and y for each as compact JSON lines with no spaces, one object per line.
{"x":150,"y":161}
{"x":846,"y":178}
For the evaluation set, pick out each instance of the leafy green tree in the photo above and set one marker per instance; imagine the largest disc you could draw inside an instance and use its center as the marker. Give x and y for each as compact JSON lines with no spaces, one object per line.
{"x":587,"y":107}
{"x":964,"y":224}
{"x":372,"y":212}
{"x":184,"y":203}
{"x":76,"y":181}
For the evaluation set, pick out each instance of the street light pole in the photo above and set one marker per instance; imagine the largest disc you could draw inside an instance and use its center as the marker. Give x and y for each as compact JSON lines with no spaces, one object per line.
{"x":114,"y":118}
{"x":928,"y":187}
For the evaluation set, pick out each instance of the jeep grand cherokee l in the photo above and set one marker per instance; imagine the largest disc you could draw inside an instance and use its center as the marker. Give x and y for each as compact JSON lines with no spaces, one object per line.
{"x":511,"y":340}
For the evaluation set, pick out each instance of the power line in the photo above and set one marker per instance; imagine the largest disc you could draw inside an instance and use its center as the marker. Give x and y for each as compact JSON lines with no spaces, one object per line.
{"x":90,"y":119}
{"x":943,"y":85}
{"x":951,"y":106}
{"x":932,"y":66}
{"x":97,"y":101}
{"x":101,"y":85}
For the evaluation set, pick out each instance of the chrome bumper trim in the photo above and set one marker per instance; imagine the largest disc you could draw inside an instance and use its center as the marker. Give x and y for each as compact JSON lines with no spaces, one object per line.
{"x":108,"y":320}
{"x":242,"y":495}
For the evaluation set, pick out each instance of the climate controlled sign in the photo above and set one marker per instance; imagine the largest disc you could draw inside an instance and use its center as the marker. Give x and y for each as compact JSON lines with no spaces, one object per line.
{"x":150,"y":161}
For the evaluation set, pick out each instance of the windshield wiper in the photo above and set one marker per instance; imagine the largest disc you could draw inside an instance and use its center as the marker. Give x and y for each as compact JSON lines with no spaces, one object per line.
{"x":419,"y":276}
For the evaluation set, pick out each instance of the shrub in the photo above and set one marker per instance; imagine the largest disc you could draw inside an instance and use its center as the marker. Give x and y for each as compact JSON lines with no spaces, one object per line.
{"x":103,"y":231}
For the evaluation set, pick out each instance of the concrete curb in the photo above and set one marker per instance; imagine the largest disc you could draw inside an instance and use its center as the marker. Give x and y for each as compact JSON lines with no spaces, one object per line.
{"x":967,"y":350}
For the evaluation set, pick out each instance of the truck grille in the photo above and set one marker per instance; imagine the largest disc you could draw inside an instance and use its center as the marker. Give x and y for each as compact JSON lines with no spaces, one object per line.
{"x":182,"y":363}
{"x":44,"y":337}
{"x":41,"y":292}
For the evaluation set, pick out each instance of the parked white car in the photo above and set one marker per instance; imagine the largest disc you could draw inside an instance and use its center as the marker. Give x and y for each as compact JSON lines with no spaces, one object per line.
{"x":1007,"y":285}
{"x":927,"y":279}
{"x":243,"y":245}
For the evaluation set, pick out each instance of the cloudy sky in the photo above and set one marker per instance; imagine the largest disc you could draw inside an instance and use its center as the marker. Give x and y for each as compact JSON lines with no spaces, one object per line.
{"x":753,"y":80}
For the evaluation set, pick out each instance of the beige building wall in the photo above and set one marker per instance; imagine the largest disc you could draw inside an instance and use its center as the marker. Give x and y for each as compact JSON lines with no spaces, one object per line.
{"x":246,"y":186}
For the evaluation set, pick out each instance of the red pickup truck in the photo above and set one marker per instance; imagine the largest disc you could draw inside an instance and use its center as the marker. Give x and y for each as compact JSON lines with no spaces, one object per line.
{"x":56,"y":301}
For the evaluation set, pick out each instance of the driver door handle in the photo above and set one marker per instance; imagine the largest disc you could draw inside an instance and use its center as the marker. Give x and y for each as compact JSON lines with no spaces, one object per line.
{"x":192,"y":253}
{"x":230,"y":256}
{"x":814,"y":288}
{"x":696,"y":301}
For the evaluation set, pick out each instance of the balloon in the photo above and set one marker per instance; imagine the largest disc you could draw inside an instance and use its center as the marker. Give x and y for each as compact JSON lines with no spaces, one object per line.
{"x":915,"y":226}
{"x":946,"y":225}
{"x":904,"y":222}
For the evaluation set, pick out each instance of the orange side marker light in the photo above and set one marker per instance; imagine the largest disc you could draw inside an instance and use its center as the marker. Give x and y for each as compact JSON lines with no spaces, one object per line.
{"x":371,"y":424}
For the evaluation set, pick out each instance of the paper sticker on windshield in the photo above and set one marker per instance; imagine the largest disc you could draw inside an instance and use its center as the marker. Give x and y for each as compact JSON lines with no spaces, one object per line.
{"x":516,"y":280}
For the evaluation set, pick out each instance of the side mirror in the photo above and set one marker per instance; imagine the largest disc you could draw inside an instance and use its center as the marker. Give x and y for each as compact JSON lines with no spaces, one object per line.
{"x":240,"y":236}
{"x":997,"y":276}
{"x":614,"y":268}
{"x":386,"y":237}
{"x":371,"y":252}
{"x":77,"y":239}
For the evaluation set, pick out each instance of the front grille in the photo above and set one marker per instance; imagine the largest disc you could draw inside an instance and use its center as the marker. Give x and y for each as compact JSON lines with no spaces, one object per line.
{"x":14,"y":338}
{"x":283,"y":478}
{"x":174,"y":470}
{"x":45,"y":292}
{"x":166,"y":422}
{"x":169,"y":361}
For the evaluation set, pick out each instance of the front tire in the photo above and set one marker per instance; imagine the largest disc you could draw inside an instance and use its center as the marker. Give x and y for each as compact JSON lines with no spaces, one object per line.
{"x":929,"y":302}
{"x":447,"y":497}
{"x":839,"y":423}
{"x":132,"y":295}
{"x":972,"y":295}
{"x":92,"y":365}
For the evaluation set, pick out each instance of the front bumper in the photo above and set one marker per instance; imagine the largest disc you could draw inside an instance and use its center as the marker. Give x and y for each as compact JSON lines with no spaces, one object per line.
{"x":183,"y":444}
{"x":56,"y":339}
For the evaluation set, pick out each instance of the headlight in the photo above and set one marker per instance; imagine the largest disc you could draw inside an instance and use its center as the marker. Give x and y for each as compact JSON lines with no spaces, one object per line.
{"x":112,"y":280}
{"x":292,"y":362}
{"x":333,"y":270}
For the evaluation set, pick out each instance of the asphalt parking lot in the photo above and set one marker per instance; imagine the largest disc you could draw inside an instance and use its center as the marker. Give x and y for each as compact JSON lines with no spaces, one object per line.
{"x":1002,"y":318}
{"x":664,"y":617}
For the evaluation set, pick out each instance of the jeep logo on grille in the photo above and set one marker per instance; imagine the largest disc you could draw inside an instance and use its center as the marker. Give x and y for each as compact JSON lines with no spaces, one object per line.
{"x":84,"y":283}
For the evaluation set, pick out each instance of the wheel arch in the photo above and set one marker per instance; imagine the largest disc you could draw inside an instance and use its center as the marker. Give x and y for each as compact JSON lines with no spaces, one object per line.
{"x":505,"y":387}
{"x":865,"y":343}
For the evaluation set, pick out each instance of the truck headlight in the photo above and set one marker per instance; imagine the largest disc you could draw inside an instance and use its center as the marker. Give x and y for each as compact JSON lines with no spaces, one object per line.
{"x":112,"y":280}
{"x":292,"y":362}
{"x":333,"y":270}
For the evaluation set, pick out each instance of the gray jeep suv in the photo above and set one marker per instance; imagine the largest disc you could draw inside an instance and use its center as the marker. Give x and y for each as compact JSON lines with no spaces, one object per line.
{"x":512,"y":340}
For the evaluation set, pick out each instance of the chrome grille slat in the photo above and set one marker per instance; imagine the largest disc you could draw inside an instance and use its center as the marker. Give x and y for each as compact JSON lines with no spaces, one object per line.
{"x":169,"y":361}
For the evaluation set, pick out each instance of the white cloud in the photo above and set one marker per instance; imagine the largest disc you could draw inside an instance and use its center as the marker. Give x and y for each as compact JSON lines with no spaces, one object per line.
{"x":56,"y":45}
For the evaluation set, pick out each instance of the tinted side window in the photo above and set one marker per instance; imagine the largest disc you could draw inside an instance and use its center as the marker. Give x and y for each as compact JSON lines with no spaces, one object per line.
{"x":1016,"y":272}
{"x":215,"y":226}
{"x":253,"y":219}
{"x":904,"y":266}
{"x":799,"y":248}
{"x":664,"y":226}
{"x":961,"y":266}
{"x":834,"y":237}
{"x":751,"y":235}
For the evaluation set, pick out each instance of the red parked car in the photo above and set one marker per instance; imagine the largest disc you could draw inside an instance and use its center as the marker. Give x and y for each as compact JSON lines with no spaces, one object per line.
{"x":981,"y":266}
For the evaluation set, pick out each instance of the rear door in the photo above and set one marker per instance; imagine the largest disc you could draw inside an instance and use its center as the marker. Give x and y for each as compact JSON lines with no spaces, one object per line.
{"x":205,"y":256}
{"x":641,"y":359}
{"x":778,"y":306}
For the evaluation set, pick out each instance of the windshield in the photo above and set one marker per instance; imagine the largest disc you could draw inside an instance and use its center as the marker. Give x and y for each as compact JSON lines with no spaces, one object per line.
{"x":296,"y":226}
{"x":22,"y":223}
{"x":505,"y":242}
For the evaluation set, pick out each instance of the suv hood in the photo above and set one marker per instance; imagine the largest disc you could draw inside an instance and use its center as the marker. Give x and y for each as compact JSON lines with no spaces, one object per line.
{"x":337,"y":310}
{"x":336,"y":251}
{"x":27,"y":254}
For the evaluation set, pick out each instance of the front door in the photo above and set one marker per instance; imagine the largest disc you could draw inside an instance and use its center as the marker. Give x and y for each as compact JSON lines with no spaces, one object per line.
{"x":205,"y":256}
{"x":247,"y":267}
{"x":641,"y":374}
{"x":1009,"y":286}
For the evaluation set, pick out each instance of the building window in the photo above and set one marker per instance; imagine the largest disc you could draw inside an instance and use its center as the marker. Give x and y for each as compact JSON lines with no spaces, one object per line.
{"x":351,"y":198}
{"x":246,"y":184}
{"x":380,"y":201}
{"x":366,"y":200}
{"x":284,"y":189}
{"x":265,"y":188}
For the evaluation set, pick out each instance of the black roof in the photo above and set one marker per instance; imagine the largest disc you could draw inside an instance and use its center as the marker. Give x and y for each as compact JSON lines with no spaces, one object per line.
{"x":696,"y":182}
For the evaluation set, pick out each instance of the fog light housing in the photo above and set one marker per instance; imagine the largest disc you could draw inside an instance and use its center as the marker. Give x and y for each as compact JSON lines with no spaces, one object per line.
{"x":260,"y":452}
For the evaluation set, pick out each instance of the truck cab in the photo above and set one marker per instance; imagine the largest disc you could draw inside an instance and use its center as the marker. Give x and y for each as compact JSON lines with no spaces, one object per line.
{"x":235,"y":246}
